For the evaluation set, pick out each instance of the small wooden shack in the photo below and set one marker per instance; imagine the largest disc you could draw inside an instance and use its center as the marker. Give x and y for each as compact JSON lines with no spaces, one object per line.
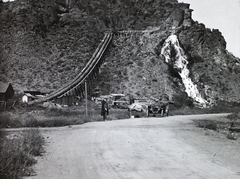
{"x":30,"y":95}
{"x":6,"y":92}
{"x":27,"y":97}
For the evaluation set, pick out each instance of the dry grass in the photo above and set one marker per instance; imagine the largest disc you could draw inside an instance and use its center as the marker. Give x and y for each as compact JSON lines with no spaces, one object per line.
{"x":220,"y":107}
{"x":39,"y":116}
{"x":229,"y":125}
{"x":17,"y":151}
{"x":54,"y":117}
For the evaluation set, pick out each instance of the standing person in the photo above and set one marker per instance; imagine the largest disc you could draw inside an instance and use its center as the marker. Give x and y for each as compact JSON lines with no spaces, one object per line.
{"x":104,"y":110}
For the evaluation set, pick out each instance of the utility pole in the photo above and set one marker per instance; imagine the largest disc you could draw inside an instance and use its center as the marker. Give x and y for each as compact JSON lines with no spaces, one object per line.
{"x":164,"y":85}
{"x":86,"y":93}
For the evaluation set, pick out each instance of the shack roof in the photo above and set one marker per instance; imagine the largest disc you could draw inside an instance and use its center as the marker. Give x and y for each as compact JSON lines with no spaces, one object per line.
{"x":37,"y":92}
{"x":4,"y":87}
{"x":32,"y":92}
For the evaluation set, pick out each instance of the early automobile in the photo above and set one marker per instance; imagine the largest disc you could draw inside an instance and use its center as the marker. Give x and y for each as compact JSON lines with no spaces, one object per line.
{"x":150,"y":107}
{"x":118,"y":101}
{"x":158,"y":108}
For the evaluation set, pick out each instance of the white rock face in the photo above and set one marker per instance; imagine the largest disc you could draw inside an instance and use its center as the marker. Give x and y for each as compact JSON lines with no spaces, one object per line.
{"x":179,"y":62}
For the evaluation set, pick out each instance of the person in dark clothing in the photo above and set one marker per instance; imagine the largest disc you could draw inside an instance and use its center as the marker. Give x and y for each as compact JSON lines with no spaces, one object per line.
{"x":104,"y":109}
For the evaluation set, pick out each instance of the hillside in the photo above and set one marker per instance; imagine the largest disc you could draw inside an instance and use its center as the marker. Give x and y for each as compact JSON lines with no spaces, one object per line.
{"x":45,"y":44}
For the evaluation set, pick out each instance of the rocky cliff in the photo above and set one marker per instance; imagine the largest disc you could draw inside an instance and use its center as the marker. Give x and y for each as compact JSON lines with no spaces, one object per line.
{"x":157,"y":48}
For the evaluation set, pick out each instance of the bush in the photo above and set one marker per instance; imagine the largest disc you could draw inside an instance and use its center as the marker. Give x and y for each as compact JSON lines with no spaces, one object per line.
{"x":6,"y":120}
{"x":14,"y":160}
{"x":31,"y":122}
{"x":17,"y":151}
{"x":182,"y":100}
{"x":33,"y":142}
{"x":2,"y":134}
{"x":207,"y":124}
{"x":234,"y":116}
{"x":231,"y":136}
{"x":225,"y":107}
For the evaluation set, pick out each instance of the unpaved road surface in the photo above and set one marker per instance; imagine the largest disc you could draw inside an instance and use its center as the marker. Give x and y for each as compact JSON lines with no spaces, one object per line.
{"x":155,"y":148}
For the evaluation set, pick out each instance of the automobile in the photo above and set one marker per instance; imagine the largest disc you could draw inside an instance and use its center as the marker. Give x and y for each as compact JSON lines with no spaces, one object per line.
{"x":149,"y":107}
{"x":118,"y":101}
{"x":98,"y":100}
{"x":139,"y":108}
{"x":158,"y":108}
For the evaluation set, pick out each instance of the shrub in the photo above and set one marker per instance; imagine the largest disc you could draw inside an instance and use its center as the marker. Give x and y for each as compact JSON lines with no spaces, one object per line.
{"x":181,"y":100}
{"x":33,"y":142}
{"x":6,"y":120}
{"x":234,"y":116}
{"x":14,"y":160}
{"x":31,"y":122}
{"x":2,"y":134}
{"x":17,"y":151}
{"x":231,"y":136}
{"x":207,"y":124}
{"x":224,"y":106}
{"x":53,"y":122}
{"x":69,"y":111}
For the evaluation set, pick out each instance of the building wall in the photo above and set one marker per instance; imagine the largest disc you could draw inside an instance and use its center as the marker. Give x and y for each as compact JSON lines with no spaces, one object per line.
{"x":5,"y":96}
{"x":66,"y":100}
{"x":2,"y":96}
{"x":10,"y":92}
{"x":3,"y":105}
{"x":25,"y":99}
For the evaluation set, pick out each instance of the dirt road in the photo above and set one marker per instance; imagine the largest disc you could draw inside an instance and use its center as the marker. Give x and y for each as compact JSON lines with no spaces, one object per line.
{"x":155,"y":148}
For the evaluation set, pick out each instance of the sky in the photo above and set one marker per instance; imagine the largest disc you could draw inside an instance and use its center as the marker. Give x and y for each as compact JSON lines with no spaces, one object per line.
{"x":219,"y":14}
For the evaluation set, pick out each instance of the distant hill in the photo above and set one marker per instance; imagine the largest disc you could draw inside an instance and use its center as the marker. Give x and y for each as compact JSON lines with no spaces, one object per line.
{"x":44,"y":44}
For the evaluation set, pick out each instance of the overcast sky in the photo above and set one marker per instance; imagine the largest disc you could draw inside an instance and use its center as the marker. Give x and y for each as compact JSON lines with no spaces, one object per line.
{"x":219,"y":14}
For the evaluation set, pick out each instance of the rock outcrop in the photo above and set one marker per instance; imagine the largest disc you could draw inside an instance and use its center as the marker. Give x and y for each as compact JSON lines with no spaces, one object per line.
{"x":45,"y":44}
